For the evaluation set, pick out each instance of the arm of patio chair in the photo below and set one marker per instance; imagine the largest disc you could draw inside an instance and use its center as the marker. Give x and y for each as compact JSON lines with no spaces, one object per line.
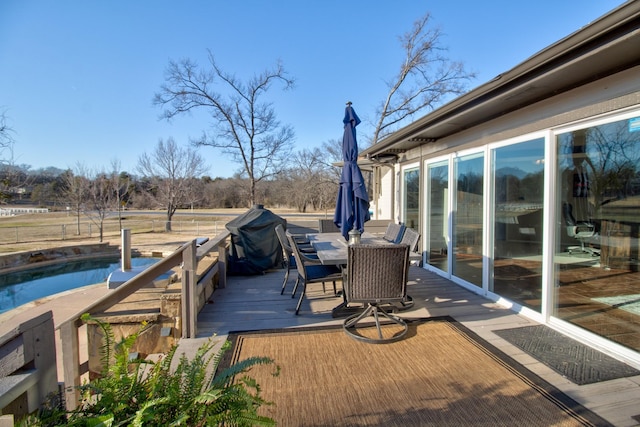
{"x":309,"y":260}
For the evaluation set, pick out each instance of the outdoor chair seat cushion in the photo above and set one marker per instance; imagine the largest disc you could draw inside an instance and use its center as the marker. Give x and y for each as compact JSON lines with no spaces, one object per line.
{"x":328,"y":272}
{"x":292,"y":259}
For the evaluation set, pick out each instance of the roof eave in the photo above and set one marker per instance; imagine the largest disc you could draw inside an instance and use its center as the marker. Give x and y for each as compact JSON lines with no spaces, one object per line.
{"x":606,"y":29}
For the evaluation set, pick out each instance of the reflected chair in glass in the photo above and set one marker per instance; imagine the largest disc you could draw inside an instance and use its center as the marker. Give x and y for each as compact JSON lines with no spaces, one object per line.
{"x":583,"y":232}
{"x":311,"y":270}
{"x":376,"y":277}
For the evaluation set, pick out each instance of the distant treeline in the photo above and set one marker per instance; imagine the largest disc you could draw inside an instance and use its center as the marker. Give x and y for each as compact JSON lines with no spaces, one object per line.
{"x":298,"y":187}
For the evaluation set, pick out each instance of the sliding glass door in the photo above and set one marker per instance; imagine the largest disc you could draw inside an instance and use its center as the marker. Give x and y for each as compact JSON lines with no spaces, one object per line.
{"x":518,"y":197}
{"x":438,"y":215}
{"x":597,"y":252}
{"x":467,"y":218}
{"x":411,"y":199}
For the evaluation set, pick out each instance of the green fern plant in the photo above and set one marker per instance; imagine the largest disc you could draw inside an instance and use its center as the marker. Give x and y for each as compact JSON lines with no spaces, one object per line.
{"x":142,"y":393}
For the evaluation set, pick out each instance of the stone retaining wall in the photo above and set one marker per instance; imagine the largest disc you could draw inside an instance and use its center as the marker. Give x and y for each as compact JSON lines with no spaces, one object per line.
{"x":25,"y":260}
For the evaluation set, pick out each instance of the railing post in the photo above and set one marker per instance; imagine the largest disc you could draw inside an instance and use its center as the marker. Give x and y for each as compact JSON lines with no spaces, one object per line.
{"x":222,"y":264}
{"x":189,"y":309}
{"x":125,"y":249}
{"x":70,"y":363}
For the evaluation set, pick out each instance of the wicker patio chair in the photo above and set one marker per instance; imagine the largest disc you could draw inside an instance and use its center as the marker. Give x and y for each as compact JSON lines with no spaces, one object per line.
{"x":376,"y":277}
{"x":311,"y":270}
{"x":289,"y":261}
{"x":327,"y":226}
{"x":394,"y":232}
{"x":411,"y":237}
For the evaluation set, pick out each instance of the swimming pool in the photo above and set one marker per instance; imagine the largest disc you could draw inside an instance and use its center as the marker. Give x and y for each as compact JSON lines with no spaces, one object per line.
{"x":25,"y":286}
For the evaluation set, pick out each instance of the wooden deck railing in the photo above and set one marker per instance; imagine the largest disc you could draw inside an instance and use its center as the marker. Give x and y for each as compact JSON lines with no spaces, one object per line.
{"x":27,"y":367}
{"x":187,"y":257}
{"x":193,"y":297}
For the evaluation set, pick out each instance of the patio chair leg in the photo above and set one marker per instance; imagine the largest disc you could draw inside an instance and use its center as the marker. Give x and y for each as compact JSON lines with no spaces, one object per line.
{"x":350,"y":325}
{"x":375,"y":316}
{"x":349,"y":322}
{"x":286,"y":278}
{"x":295,"y":288}
{"x":304,"y":289}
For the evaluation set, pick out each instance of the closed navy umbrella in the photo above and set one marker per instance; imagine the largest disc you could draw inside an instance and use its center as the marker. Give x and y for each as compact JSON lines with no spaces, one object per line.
{"x":352,"y":205}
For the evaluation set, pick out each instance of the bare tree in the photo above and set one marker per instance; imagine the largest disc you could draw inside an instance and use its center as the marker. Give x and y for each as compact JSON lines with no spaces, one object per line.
{"x":75,"y":191}
{"x":332,"y":155}
{"x":6,"y":143}
{"x":121,"y":182}
{"x":244,"y":127}
{"x":172,"y":170}
{"x":100,"y":200}
{"x":313,"y":178}
{"x":224,"y":193}
{"x":195,"y":194}
{"x":425,"y":79}
{"x":6,"y":135}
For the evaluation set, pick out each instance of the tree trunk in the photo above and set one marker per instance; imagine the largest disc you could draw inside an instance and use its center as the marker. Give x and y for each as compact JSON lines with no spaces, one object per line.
{"x":167,"y":225}
{"x":253,"y":193}
{"x":78,"y":222}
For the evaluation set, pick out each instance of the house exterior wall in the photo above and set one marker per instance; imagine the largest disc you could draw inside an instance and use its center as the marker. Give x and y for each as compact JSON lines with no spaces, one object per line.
{"x":381,"y":203}
{"x":604,"y":96}
{"x":503,"y":246}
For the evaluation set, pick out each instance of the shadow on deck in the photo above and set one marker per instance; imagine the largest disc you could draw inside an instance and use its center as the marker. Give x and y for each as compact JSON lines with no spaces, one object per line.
{"x":254,"y":302}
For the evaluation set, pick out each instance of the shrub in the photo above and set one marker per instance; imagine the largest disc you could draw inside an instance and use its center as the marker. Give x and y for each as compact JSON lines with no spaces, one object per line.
{"x":136,"y":392}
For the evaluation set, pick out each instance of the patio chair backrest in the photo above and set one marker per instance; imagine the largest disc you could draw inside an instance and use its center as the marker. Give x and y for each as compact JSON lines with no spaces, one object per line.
{"x":394,"y":232}
{"x":377,"y":273}
{"x":411,"y":238}
{"x":327,"y":226}
{"x":282,"y":238}
{"x":301,"y":259}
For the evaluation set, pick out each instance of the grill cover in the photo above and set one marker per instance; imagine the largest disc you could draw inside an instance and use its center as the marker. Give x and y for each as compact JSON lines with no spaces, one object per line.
{"x":255,"y":247}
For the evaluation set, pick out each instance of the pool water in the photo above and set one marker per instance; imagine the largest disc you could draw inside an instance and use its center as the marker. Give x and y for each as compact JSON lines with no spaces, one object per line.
{"x":25,"y":286}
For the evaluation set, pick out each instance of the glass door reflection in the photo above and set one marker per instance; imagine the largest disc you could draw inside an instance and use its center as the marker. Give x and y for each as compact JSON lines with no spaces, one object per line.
{"x":467,"y":218}
{"x":438,"y":215}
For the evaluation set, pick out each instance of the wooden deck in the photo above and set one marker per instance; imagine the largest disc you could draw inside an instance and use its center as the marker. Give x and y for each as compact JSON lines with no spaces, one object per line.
{"x":251,"y":303}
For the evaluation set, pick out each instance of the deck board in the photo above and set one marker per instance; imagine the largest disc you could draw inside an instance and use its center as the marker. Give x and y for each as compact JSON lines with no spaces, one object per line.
{"x":254,"y":302}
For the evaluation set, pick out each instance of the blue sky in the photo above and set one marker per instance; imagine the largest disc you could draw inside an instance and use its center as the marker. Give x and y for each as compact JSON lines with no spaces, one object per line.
{"x":77,"y":78}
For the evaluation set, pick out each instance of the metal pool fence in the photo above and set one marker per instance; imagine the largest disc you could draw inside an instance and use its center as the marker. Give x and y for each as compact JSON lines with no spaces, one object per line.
{"x":71,"y":231}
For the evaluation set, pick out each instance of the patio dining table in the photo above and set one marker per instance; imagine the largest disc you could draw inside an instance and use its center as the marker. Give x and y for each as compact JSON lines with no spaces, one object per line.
{"x":332,"y":250}
{"x":332,"y":247}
